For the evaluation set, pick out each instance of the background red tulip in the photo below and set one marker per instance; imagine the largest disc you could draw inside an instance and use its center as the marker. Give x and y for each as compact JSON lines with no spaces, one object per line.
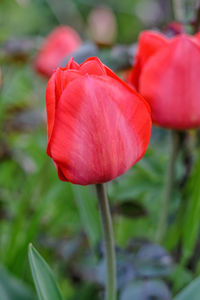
{"x":98,"y":126}
{"x":61,"y":41}
{"x":166,"y":73}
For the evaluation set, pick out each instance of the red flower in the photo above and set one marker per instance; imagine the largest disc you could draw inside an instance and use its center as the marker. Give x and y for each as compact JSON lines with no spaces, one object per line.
{"x":98,"y":126}
{"x":61,"y":41}
{"x":166,"y":73}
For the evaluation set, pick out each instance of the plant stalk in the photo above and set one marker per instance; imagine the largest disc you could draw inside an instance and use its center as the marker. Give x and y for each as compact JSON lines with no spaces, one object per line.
{"x":172,"y":9}
{"x":111,"y":289}
{"x":169,"y":182}
{"x":178,"y":10}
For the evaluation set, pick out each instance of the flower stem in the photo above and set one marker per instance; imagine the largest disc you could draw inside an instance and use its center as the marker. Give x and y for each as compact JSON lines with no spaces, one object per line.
{"x":172,"y":9}
{"x":178,"y":10}
{"x":169,"y":181}
{"x":106,"y":221}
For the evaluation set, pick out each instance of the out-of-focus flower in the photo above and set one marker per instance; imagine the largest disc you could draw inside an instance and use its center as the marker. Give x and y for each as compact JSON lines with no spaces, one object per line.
{"x":59,"y":43}
{"x":166,"y":73}
{"x":102,"y":26}
{"x":98,"y":126}
{"x":174,"y":28}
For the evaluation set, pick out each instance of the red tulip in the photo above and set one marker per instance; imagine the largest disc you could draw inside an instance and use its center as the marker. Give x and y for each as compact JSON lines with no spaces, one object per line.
{"x":61,"y":42}
{"x":98,"y":126}
{"x":166,"y":73}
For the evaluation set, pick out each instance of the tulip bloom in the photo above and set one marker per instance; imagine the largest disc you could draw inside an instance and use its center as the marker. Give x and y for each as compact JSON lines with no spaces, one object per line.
{"x":166,"y":73}
{"x":98,"y":126}
{"x":61,"y":42}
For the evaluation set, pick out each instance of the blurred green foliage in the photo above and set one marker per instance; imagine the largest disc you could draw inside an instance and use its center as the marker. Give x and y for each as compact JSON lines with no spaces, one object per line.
{"x":60,"y":219}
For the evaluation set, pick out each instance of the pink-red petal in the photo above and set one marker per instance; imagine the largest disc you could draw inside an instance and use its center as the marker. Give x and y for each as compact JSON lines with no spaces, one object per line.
{"x":61,"y":42}
{"x":150,"y":42}
{"x":101,"y":129}
{"x":50,"y":104}
{"x":169,"y":82}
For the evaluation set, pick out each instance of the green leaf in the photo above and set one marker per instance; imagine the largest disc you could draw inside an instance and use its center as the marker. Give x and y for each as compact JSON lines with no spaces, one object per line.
{"x":192,"y":215}
{"x":12,"y":288}
{"x":148,"y":289}
{"x":192,"y":291}
{"x":43,"y":278}
{"x":129,"y":209}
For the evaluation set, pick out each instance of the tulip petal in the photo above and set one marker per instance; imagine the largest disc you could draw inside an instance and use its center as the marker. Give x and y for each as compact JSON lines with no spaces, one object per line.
{"x":110,"y":73}
{"x":72,"y":64}
{"x":92,"y":66}
{"x":50,"y":104}
{"x":101,"y":129}
{"x":55,"y":87}
{"x":169,"y":82}
{"x":149,"y":43}
{"x":63,"y":78}
{"x":197,"y":36}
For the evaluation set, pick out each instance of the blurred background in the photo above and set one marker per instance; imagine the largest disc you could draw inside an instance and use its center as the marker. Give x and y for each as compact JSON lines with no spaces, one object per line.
{"x":61,"y":220}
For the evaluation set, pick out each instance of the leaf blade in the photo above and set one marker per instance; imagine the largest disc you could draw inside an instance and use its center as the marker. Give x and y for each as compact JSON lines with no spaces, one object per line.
{"x":192,"y":291}
{"x":45,"y":283}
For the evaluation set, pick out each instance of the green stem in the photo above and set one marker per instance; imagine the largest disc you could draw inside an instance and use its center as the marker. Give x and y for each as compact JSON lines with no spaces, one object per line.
{"x":178,"y":10}
{"x":172,"y":9}
{"x":169,"y":181}
{"x":111,"y":290}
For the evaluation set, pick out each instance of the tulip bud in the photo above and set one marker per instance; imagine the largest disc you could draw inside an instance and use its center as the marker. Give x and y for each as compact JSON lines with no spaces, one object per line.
{"x":59,"y":43}
{"x":166,"y":73}
{"x":98,"y":126}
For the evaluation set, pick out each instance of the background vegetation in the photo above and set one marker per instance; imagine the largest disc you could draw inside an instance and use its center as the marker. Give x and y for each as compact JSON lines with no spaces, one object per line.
{"x":61,"y":220}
